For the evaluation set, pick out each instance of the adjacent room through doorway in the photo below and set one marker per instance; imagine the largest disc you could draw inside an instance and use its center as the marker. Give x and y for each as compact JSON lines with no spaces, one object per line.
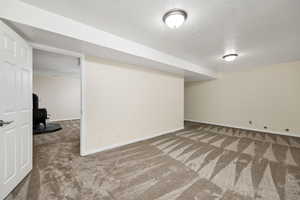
{"x":56,"y":98}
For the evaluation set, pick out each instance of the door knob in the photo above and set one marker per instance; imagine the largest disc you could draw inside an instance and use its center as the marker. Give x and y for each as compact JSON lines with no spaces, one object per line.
{"x":2,"y":123}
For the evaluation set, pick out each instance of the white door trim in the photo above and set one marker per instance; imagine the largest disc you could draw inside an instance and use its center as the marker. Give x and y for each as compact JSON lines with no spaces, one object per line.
{"x":83,"y":83}
{"x":55,"y":50}
{"x":83,"y":134}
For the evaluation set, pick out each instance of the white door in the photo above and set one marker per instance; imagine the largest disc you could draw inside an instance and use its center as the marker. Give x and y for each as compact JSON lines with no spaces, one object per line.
{"x":15,"y":109}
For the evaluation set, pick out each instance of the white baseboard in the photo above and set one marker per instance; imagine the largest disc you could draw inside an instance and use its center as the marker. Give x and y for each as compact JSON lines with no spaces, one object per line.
{"x":245,"y":128}
{"x":129,"y":142}
{"x":66,"y":119}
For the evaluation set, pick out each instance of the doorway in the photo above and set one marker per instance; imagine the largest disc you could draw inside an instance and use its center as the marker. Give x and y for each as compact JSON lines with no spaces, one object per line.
{"x":58,"y":81}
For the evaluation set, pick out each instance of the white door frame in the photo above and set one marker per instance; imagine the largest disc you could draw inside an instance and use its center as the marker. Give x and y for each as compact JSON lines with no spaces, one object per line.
{"x":83,"y":83}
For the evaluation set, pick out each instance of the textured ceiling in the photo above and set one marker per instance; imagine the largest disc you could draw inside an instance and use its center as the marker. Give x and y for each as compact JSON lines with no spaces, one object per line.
{"x":262,"y":32}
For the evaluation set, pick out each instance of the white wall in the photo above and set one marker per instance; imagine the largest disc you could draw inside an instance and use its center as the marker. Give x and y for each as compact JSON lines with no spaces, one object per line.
{"x":60,"y":95}
{"x":128,"y":103}
{"x":269,"y":96}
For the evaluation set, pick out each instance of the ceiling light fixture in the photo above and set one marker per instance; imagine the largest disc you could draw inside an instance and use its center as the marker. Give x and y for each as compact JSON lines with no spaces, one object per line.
{"x":175,"y":18}
{"x":230,"y":57}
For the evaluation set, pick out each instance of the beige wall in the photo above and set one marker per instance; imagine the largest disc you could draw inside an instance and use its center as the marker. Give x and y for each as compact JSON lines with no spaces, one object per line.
{"x":268,"y":96}
{"x":59,"y":95}
{"x":127,"y":103}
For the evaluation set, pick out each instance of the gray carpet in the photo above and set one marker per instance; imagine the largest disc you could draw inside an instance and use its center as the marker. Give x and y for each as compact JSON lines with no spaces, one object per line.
{"x":201,"y":162}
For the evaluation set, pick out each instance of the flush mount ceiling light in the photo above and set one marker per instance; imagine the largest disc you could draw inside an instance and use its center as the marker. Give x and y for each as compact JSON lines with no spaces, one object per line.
{"x":230,"y":57}
{"x":175,"y":18}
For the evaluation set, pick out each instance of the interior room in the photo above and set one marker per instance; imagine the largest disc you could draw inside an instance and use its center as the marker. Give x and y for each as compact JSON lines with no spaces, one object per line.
{"x":149,"y":100}
{"x":56,"y":85}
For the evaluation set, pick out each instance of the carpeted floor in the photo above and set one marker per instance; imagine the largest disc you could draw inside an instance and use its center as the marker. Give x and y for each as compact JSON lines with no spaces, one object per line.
{"x":201,"y":162}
